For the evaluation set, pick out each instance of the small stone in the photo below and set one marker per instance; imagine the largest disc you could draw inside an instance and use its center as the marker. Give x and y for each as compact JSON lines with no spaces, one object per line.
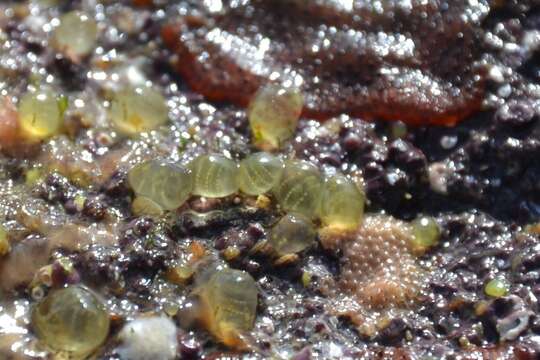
{"x":148,"y":338}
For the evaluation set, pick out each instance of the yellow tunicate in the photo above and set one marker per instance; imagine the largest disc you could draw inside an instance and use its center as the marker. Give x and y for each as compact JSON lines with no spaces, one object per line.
{"x":71,"y":319}
{"x":214,"y":176}
{"x":76,"y":35}
{"x":341,"y":204}
{"x":142,"y":205}
{"x":259,"y":173}
{"x":40,"y":115}
{"x":426,"y":233}
{"x":497,"y":287}
{"x":136,"y":110}
{"x":273,"y":115}
{"x":292,"y":234}
{"x":300,"y":188}
{"x":4,"y":242}
{"x":168,"y":185}
{"x":229,"y":299}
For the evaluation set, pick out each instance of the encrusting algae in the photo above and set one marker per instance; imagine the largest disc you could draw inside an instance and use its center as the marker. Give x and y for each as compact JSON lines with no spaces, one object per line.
{"x":379,"y":274}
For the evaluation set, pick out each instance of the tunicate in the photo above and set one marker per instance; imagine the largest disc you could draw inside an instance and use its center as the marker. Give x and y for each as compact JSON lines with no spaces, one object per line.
{"x":273,"y":115}
{"x":71,"y":319}
{"x":300,"y":188}
{"x":168,"y":185}
{"x":40,"y":115}
{"x":341,"y":204}
{"x":259,"y":173}
{"x":292,"y":234}
{"x":136,"y":110}
{"x":426,"y":232}
{"x":229,"y":299}
{"x":496,"y":288}
{"x":214,"y":176}
{"x":76,"y":35}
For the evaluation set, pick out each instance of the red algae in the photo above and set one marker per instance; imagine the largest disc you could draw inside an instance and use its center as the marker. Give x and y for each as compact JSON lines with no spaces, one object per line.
{"x":415,"y":62}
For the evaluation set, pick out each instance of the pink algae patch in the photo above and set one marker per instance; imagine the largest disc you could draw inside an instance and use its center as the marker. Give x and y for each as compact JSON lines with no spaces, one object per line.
{"x":379,"y":275}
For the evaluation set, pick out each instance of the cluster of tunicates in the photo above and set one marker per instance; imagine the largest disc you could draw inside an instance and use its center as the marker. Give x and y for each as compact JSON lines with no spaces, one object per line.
{"x":132,"y":111}
{"x":298,"y":186}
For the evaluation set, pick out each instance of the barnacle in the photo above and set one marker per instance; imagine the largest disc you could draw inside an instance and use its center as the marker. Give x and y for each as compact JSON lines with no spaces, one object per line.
{"x":71,"y":319}
{"x":76,"y":35}
{"x":136,"y":110}
{"x":40,"y":115}
{"x":259,"y":173}
{"x":341,"y":204}
{"x":292,"y":233}
{"x":299,"y":189}
{"x":273,"y":115}
{"x":214,"y":176}
{"x":378,"y":272}
{"x":168,"y":185}
{"x":229,"y":304}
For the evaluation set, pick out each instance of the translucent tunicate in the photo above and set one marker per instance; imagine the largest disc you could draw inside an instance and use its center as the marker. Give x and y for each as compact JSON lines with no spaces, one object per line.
{"x":292,"y":234}
{"x":229,"y":299}
{"x":4,"y":242}
{"x":273,"y":115}
{"x":342,"y":203}
{"x":40,"y":115}
{"x":426,"y":232}
{"x":136,"y":110}
{"x":259,"y":173}
{"x":71,"y":319}
{"x":214,"y":176}
{"x":496,"y":288}
{"x":142,"y":205}
{"x":168,"y":185}
{"x":300,"y":188}
{"x":76,"y":35}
